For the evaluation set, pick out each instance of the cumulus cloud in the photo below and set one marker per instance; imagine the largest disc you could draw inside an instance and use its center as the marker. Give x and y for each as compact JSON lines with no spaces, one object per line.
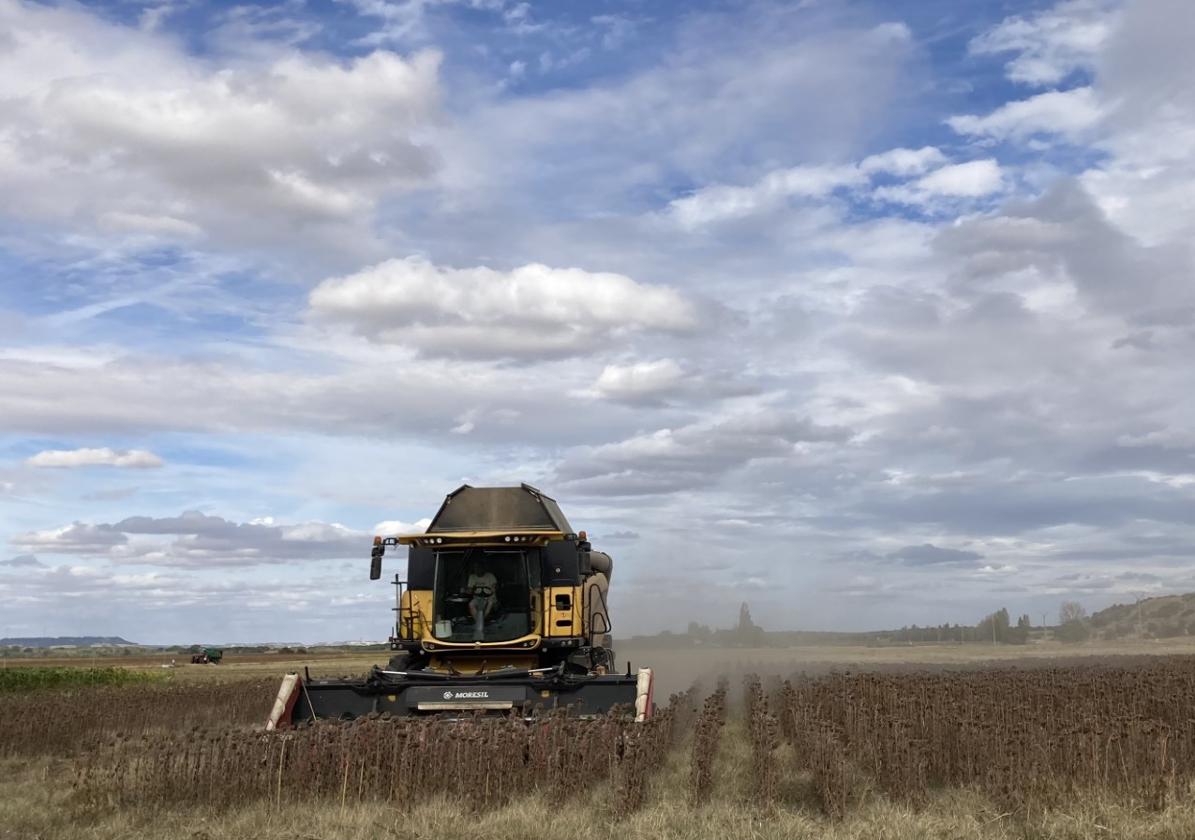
{"x":640,"y":380}
{"x":77,"y":538}
{"x":23,"y":561}
{"x":122,"y":130}
{"x":711,"y":204}
{"x":663,"y":381}
{"x":396,"y":527}
{"x":1065,"y":236}
{"x":102,"y":457}
{"x":1065,"y":113}
{"x":720,"y":202}
{"x":971,"y":180}
{"x":903,"y":162}
{"x":1051,"y":44}
{"x":530,"y":311}
{"x":199,"y":540}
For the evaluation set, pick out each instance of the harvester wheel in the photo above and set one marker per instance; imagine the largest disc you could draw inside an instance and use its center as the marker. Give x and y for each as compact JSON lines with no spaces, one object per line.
{"x":399,"y":662}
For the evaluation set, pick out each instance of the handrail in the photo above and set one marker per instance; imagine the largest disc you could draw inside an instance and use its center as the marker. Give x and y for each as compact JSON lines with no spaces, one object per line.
{"x":605,"y":611}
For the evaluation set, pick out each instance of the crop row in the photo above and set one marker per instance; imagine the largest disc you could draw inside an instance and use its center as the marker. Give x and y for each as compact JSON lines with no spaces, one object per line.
{"x":1026,"y":739}
{"x":1020,"y":737}
{"x":482,"y":761}
{"x":64,"y":722}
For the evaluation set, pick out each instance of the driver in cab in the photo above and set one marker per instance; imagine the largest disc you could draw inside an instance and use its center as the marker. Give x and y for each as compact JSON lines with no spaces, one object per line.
{"x":482,"y":586}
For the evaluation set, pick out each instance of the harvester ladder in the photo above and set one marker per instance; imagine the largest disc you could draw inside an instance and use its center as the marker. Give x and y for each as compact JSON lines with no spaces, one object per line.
{"x":404,"y":616}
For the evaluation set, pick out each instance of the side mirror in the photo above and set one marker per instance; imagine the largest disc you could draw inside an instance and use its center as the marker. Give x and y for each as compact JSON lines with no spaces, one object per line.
{"x":375,"y":563}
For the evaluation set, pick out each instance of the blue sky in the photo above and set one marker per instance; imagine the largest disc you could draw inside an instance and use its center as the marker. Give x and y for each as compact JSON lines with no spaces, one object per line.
{"x":867,"y":313}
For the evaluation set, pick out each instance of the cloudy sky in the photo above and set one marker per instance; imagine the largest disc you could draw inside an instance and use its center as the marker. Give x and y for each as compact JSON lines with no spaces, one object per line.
{"x":868,"y":313}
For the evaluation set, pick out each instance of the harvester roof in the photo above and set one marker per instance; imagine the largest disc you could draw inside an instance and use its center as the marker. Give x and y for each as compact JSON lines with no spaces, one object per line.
{"x":498,"y":509}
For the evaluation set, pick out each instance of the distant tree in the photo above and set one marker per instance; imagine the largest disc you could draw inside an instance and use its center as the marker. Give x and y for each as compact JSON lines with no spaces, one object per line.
{"x":1024,"y":622}
{"x":1071,"y":611}
{"x":1072,"y":622}
{"x":747,"y":633}
{"x":994,"y":627}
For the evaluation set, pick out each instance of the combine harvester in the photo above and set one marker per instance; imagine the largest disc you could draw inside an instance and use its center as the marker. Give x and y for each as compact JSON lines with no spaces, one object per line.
{"x":503,"y":610}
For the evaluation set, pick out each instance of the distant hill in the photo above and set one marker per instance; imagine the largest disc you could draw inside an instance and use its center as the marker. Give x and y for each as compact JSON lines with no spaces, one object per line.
{"x":1163,"y":617}
{"x":65,"y":641}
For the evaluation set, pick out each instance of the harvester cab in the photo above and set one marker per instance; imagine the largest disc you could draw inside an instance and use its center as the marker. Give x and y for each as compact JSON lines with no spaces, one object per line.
{"x":504,"y":608}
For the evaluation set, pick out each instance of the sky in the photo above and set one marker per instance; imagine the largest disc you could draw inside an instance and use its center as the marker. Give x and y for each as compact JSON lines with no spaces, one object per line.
{"x":866,"y":313}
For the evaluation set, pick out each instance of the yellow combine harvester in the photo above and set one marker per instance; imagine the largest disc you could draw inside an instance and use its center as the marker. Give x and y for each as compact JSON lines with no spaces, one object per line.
{"x":504,"y":608}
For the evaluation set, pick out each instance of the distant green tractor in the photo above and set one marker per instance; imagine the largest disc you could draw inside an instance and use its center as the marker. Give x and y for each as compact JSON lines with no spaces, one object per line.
{"x":207,"y":656}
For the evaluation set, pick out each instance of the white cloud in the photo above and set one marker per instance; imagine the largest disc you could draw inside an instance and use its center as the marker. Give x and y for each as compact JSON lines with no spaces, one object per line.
{"x":1146,"y":75}
{"x":712,"y":204}
{"x":1068,"y":113}
{"x":665,"y":381}
{"x":639,"y":380}
{"x":103,"y":457}
{"x":963,"y":180}
{"x":121,"y":130}
{"x":199,"y":540}
{"x":396,"y":527}
{"x":903,"y":162}
{"x":530,"y":311}
{"x":973,"y":179}
{"x":720,"y":202}
{"x":1050,"y":44}
{"x":78,"y":538}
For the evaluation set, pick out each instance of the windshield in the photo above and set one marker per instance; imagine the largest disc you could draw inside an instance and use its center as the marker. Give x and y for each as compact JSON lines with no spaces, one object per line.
{"x":482,"y":595}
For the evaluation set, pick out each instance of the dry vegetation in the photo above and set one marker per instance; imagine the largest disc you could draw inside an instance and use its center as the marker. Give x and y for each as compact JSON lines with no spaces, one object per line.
{"x":1067,"y":751}
{"x":78,"y":721}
